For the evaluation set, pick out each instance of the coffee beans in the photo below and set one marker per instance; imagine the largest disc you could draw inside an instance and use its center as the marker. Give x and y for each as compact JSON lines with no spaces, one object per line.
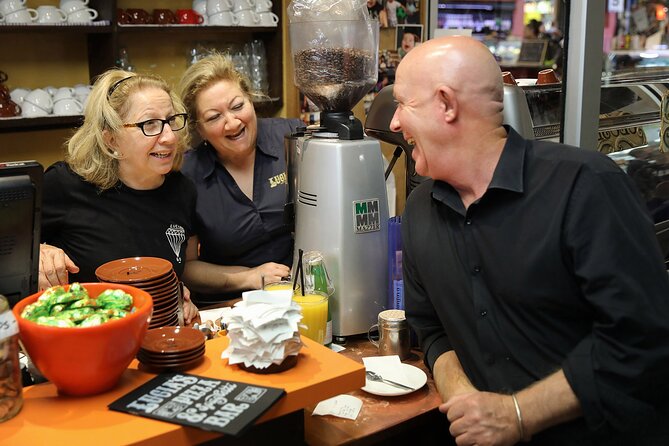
{"x":335,"y":78}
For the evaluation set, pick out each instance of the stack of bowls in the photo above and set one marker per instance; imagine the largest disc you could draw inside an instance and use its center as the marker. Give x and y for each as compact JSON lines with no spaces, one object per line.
{"x":169,"y":349}
{"x":153,"y":275}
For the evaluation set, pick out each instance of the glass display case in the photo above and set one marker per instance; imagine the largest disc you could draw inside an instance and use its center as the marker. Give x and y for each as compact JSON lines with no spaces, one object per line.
{"x":632,"y":129}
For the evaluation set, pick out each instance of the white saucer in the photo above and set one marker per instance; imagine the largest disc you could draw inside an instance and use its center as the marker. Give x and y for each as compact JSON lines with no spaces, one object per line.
{"x":415,"y":378}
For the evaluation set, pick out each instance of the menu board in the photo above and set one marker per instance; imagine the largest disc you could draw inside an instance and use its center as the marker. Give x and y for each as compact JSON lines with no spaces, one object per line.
{"x":211,"y":404}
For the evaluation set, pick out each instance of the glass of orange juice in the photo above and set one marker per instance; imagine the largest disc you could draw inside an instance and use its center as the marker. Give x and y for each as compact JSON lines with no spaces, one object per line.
{"x":314,"y":314}
{"x":282,"y":285}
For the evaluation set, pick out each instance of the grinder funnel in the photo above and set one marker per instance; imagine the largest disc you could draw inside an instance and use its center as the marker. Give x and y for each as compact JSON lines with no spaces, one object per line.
{"x":335,"y":61}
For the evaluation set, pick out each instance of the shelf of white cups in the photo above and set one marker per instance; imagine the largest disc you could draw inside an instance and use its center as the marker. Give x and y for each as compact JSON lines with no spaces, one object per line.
{"x":250,"y":13}
{"x":68,"y":13}
{"x":50,"y":106}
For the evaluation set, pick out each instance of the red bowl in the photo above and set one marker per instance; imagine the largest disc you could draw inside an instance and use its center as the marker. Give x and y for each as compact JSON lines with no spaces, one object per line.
{"x":86,"y":360}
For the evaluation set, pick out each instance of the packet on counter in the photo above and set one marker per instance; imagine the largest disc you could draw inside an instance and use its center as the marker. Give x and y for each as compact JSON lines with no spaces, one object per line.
{"x":342,"y":406}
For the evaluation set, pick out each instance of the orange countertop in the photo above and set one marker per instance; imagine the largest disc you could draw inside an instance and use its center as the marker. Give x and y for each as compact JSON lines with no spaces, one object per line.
{"x":49,"y":418}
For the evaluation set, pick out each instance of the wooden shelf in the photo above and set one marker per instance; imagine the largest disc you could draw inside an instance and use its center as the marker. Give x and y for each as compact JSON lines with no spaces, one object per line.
{"x":103,"y":41}
{"x":57,"y":29}
{"x":19,"y":124}
{"x":196,"y":28}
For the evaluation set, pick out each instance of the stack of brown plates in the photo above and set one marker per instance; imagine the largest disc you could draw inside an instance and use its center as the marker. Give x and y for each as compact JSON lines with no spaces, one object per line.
{"x":153,"y":275}
{"x":171,"y":349}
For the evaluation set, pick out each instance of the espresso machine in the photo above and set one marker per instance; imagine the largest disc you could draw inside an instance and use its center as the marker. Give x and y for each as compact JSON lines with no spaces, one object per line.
{"x":336,"y":172}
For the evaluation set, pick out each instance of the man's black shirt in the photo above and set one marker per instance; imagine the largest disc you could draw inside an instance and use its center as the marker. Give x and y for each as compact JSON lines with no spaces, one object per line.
{"x":555,"y":267}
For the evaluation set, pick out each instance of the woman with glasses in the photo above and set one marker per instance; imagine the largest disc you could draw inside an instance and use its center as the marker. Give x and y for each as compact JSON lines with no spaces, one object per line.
{"x":118,"y":193}
{"x":239,"y":171}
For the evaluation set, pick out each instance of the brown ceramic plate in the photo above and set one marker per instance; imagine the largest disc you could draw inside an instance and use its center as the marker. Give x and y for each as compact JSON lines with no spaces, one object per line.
{"x":172,"y":339}
{"x":163,"y":319}
{"x":133,"y":269}
{"x":167,"y":358}
{"x":170,"y":280}
{"x":177,"y":368}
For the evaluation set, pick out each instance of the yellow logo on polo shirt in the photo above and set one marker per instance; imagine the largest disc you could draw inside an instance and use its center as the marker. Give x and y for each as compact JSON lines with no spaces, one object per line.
{"x":282,"y":178}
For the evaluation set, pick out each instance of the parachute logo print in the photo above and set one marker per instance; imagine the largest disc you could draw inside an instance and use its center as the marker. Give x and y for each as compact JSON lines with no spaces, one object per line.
{"x":176,"y":235}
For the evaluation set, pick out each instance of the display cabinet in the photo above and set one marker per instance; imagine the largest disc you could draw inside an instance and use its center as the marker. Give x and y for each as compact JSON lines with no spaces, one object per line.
{"x":104,"y":38}
{"x":633,"y":127}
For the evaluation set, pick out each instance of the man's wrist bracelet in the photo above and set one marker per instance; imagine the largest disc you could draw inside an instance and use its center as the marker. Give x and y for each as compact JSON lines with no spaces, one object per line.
{"x":519,"y":417}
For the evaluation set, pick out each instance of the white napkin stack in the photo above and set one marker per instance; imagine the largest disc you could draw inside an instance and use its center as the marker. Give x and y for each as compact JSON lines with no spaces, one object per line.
{"x":262,"y":328}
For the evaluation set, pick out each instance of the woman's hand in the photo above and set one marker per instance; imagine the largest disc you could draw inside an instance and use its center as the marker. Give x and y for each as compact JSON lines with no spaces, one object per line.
{"x":273,"y":272}
{"x":190,"y":310}
{"x":54,"y":266}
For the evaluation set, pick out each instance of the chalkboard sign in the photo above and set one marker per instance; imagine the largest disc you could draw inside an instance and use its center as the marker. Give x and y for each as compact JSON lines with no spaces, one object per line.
{"x":532,"y":52}
{"x":211,"y":404}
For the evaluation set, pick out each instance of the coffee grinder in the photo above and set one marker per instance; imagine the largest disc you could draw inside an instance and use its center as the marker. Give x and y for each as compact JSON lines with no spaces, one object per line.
{"x":341,"y":207}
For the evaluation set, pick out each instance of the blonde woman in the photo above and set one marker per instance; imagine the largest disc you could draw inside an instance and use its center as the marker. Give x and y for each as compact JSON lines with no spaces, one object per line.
{"x":239,"y":171}
{"x":119,"y":193}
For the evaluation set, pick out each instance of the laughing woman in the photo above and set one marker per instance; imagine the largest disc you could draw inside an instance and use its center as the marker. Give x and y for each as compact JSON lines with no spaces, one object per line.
{"x":240,"y":174}
{"x":118,"y":193}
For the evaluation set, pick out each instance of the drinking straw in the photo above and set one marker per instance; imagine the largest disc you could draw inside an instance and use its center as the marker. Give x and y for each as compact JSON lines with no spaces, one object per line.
{"x":300,"y":270}
{"x":262,"y":282}
{"x":301,"y":273}
{"x":297,"y":270}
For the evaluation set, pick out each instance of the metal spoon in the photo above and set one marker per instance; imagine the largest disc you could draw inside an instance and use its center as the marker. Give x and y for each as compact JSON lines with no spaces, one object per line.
{"x":375,"y":377}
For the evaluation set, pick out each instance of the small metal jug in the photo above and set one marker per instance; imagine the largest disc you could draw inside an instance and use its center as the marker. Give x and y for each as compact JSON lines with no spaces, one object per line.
{"x":394,"y":336}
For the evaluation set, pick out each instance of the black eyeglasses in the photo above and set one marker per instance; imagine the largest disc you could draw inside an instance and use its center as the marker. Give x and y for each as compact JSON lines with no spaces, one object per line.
{"x":154,"y":127}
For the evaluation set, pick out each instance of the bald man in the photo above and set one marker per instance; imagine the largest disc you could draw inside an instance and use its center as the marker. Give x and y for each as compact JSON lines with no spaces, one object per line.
{"x":532,"y":274}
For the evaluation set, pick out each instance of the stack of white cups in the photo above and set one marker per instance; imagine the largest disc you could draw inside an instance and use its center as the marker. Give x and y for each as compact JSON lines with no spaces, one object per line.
{"x":50,"y":14}
{"x":264,"y":11}
{"x":245,"y":12}
{"x":65,"y":102}
{"x":219,"y":13}
{"x":15,"y":12}
{"x":77,"y":12}
{"x":50,"y":100}
{"x":37,"y":103}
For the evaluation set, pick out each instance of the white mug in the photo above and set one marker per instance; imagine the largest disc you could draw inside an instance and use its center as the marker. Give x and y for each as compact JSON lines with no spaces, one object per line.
{"x":268,"y":19}
{"x":241,"y":5}
{"x":40,"y":98}
{"x":225,"y":18}
{"x":29,"y":110}
{"x":70,"y":6}
{"x":82,"y":89}
{"x":50,"y":14}
{"x":82,"y":16}
{"x":83,"y":2}
{"x":200,"y":6}
{"x":63,"y":93}
{"x":216,"y":6}
{"x":9,"y":6}
{"x":27,"y":15}
{"x":18,"y":95}
{"x":263,"y":5}
{"x":51,"y":90}
{"x":248,"y":17}
{"x":68,"y":106}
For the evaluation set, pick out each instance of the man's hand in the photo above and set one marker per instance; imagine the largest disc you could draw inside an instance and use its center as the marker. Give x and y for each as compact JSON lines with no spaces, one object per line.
{"x":482,"y":419}
{"x":54,"y":266}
